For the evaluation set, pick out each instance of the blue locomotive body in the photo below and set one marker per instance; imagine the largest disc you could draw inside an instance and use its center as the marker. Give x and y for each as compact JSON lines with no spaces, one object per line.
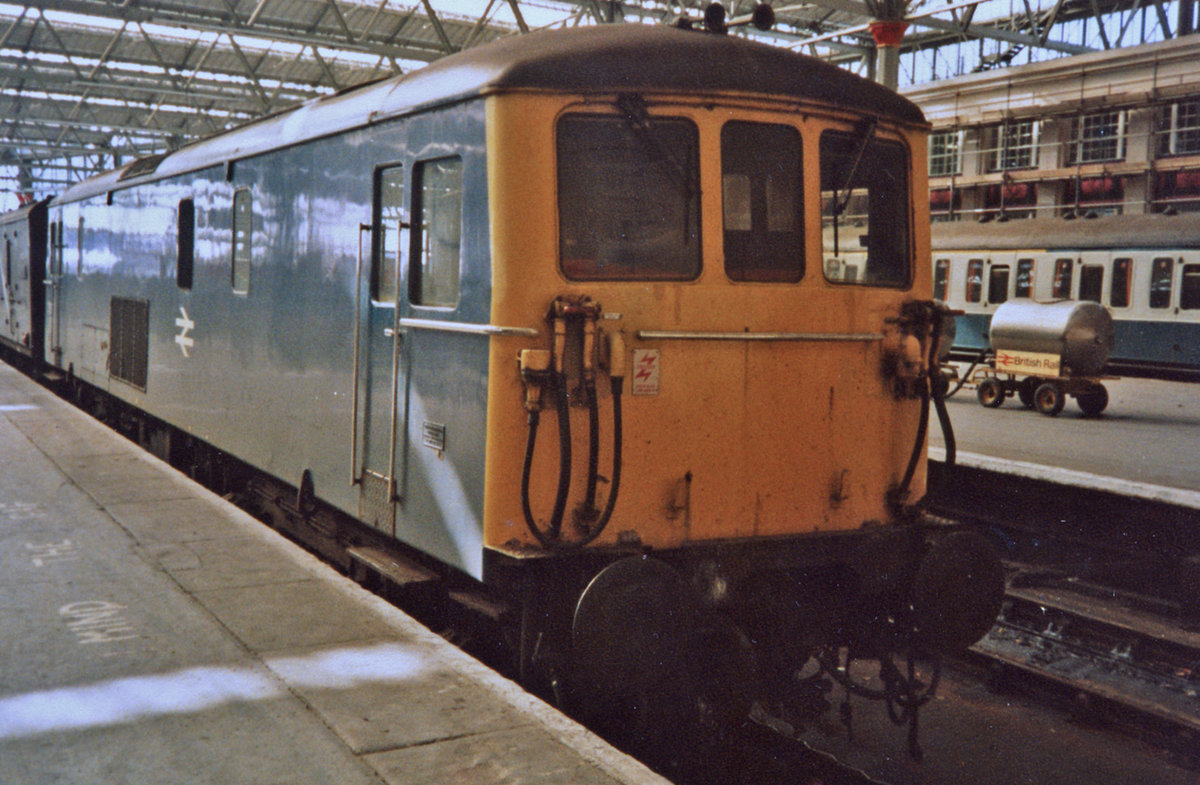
{"x":260,"y":356}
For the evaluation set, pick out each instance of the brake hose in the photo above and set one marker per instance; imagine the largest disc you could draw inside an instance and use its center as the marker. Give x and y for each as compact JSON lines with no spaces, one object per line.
{"x":564,"y":454}
{"x":551,"y":541}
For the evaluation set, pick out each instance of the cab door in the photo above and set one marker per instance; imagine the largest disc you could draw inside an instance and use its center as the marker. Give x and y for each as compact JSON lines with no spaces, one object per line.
{"x":380,"y":377}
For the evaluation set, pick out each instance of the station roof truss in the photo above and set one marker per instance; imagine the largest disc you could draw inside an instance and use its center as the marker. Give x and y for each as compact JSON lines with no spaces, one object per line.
{"x":88,"y":84}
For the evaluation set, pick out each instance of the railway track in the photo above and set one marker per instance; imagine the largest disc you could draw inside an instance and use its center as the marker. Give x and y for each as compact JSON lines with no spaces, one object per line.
{"x":1101,"y":656}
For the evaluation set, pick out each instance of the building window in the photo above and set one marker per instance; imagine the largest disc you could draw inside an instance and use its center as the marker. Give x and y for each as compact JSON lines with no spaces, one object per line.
{"x":1013,"y":145}
{"x":1097,"y":137}
{"x":944,"y":158}
{"x":762,"y":189}
{"x":1160,"y":282}
{"x":1179,"y":128}
{"x":243,"y":233}
{"x":1024,"y":278}
{"x":1063,"y":269}
{"x":628,"y":197}
{"x":1122,"y":283}
{"x":974,"y":282}
{"x":437,"y":240}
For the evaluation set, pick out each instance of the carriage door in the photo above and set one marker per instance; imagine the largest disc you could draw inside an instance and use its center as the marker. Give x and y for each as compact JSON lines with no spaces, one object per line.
{"x":53,"y":352}
{"x":381,"y":381}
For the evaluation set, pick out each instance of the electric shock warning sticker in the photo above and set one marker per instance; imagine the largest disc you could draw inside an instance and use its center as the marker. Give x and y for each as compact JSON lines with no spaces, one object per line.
{"x":645,"y":372}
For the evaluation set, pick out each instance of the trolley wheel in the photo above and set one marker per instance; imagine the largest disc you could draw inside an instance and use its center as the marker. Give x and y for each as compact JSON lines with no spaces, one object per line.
{"x":1049,"y":399}
{"x":990,"y":393}
{"x":1025,"y":390}
{"x":1094,"y":401}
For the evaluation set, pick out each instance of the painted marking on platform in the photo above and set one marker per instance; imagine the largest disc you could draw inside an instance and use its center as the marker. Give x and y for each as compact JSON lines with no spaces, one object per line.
{"x":141,"y":697}
{"x":21,"y":511}
{"x":185,"y":325}
{"x":97,"y":621}
{"x":52,"y":552}
{"x":17,"y":407}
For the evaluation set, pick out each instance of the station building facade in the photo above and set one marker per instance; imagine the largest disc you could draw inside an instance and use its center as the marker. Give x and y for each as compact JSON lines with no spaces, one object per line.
{"x":1113,"y":132}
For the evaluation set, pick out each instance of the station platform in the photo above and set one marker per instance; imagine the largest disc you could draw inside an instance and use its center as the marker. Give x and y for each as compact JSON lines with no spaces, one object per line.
{"x":154,"y":633}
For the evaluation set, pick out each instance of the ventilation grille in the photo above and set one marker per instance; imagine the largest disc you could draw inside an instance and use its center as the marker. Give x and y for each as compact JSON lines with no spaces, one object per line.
{"x":129,"y":336}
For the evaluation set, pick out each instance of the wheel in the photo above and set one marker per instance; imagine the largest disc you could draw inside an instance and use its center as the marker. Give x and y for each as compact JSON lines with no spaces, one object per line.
{"x":990,"y":393}
{"x":1025,"y":390}
{"x":1094,"y":401}
{"x":1049,"y":399}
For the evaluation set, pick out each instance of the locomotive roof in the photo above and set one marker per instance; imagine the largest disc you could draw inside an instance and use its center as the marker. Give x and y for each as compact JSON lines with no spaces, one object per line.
{"x":603,"y":59}
{"x":1112,"y":231}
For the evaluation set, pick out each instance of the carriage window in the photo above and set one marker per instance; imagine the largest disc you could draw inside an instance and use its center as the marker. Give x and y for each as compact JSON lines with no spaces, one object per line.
{"x":391,"y":229}
{"x":974,"y":280}
{"x":243,"y":231}
{"x":761,"y":188}
{"x":628,"y":197}
{"x":186,"y":232}
{"x":1024,"y":278}
{"x":1091,"y":282}
{"x":1189,"y":289}
{"x":1063,"y":269}
{"x":864,"y":208}
{"x":941,"y":278}
{"x":1160,"y":282}
{"x":437,"y":241}
{"x":998,"y":284}
{"x":1122,"y":283}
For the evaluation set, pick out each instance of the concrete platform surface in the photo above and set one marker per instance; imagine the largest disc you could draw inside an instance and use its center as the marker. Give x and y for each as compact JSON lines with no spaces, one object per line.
{"x":152,"y":633}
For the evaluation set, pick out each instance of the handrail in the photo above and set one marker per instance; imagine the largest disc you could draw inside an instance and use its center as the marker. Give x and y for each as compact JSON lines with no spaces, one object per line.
{"x":469,"y":328}
{"x":676,"y":335}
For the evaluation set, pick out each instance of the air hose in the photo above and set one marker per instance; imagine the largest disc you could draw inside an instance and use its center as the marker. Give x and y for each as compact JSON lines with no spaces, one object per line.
{"x":564,"y":454}
{"x":550,"y":537}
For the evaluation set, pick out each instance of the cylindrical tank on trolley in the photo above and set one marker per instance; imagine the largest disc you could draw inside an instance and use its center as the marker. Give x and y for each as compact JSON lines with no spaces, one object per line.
{"x":1079,"y":333}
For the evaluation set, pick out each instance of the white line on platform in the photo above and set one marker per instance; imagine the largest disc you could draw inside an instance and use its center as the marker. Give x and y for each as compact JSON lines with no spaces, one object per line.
{"x":17,"y":407}
{"x":1072,"y":477}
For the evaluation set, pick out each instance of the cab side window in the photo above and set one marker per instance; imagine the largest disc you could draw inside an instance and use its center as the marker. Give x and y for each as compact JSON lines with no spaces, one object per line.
{"x":437,"y":238}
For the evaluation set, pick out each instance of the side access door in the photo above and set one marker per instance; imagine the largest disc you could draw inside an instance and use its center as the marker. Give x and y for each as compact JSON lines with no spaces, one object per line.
{"x":380,"y":402}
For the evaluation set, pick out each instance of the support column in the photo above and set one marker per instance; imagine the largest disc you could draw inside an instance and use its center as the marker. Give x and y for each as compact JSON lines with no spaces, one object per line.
{"x":888,"y":33}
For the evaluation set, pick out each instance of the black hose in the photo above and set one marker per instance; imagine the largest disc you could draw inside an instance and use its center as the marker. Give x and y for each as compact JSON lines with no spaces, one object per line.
{"x":939,"y":404}
{"x":967,"y":374}
{"x":564,"y":455}
{"x":918,"y":445}
{"x":551,"y":541}
{"x":526,"y":471}
{"x":593,"y":469}
{"x":618,"y":387}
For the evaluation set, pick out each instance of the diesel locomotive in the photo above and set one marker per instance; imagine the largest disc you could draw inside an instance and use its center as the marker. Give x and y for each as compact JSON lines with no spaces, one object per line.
{"x":631,"y":327}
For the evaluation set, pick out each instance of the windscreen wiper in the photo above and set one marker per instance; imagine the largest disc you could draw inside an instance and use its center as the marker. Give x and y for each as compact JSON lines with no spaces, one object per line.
{"x":633,"y":109}
{"x":864,"y":132}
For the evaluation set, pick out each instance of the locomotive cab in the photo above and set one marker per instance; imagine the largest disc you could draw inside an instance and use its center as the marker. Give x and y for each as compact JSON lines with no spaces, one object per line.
{"x":740,"y":265}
